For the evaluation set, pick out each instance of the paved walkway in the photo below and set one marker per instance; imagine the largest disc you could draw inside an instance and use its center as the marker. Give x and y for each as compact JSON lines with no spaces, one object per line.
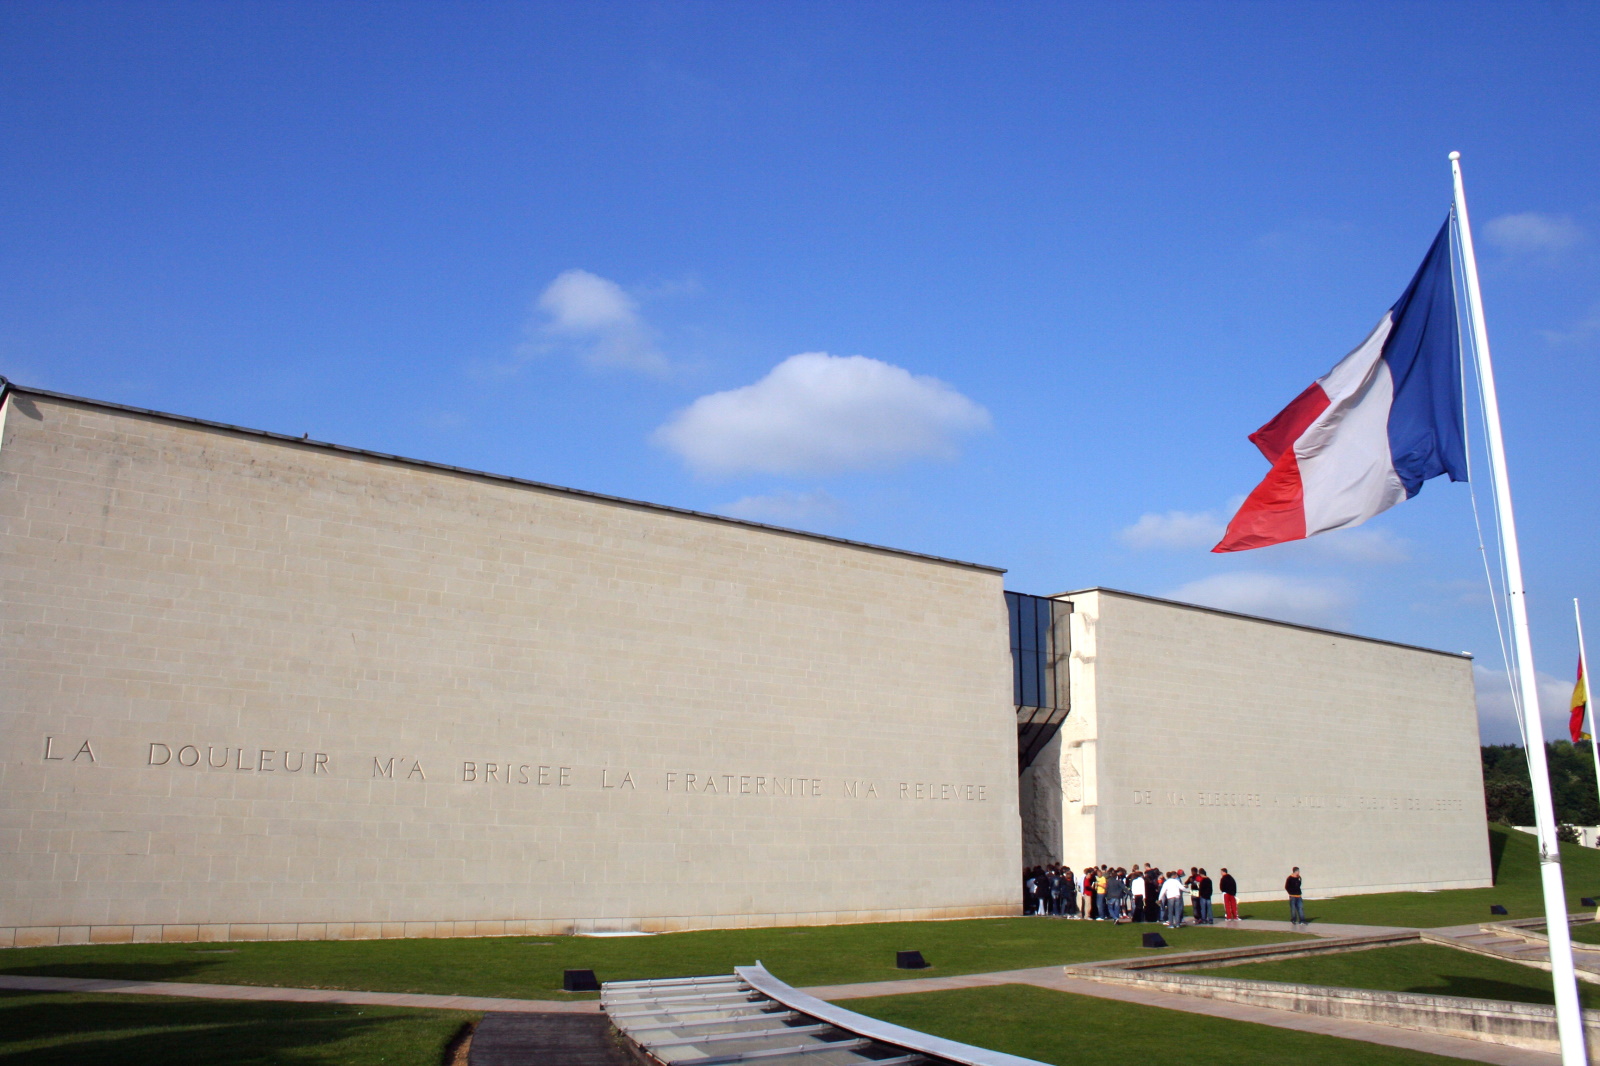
{"x":516,"y":1039}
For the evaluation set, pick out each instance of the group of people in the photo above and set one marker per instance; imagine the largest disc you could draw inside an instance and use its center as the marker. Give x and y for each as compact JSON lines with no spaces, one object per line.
{"x":1107,"y":894}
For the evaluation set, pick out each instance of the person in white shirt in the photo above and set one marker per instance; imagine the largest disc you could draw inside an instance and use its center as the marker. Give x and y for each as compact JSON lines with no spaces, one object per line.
{"x":1136,"y":894}
{"x":1172,"y":901}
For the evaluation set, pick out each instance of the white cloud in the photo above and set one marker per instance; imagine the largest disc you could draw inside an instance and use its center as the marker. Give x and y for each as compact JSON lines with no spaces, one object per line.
{"x":1184,"y":530}
{"x":443,"y":420}
{"x":1448,"y":596}
{"x":1359,"y":545}
{"x":1293,"y":599}
{"x":1497,"y":720}
{"x":819,"y":414}
{"x":787,"y":508}
{"x":1531,"y":233}
{"x":1175,"y":529}
{"x":1581,"y":333}
{"x":603,"y":320}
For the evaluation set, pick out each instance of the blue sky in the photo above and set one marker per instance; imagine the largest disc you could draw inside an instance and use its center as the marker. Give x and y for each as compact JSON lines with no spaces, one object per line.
{"x":1080,"y":251}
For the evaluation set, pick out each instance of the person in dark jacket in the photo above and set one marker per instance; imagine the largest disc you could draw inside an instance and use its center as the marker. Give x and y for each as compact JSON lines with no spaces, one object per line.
{"x":1202,"y":900}
{"x":1058,"y":892}
{"x":1297,"y":907}
{"x":1230,"y":896}
{"x":1116,"y":892}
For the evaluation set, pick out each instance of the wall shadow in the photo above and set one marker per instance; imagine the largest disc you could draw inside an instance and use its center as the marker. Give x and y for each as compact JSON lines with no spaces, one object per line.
{"x":182,"y":1032}
{"x":114,"y":971}
{"x":1497,"y":848}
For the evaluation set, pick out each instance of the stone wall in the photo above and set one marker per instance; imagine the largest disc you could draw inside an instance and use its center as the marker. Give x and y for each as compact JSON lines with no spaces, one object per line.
{"x":1204,"y":738}
{"x":257,"y":687}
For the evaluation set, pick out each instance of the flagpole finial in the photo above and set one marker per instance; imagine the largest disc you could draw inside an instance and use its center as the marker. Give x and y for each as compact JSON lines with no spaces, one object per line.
{"x":1454,"y":156}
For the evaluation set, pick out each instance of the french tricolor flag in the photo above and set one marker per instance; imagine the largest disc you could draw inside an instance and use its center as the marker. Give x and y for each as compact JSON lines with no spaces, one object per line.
{"x":1367,"y":434}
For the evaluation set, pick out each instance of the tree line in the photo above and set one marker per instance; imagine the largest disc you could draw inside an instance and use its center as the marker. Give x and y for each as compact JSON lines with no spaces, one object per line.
{"x":1508,"y":795}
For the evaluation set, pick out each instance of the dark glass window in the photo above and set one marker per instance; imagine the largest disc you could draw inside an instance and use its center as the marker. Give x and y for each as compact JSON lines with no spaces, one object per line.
{"x":1038,"y":639}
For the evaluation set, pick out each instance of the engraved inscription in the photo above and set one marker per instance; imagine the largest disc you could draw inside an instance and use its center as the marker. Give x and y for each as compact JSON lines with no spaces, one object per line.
{"x":238,"y":760}
{"x":943,"y":791}
{"x":259,"y":760}
{"x":506,"y":773}
{"x":84,"y":750}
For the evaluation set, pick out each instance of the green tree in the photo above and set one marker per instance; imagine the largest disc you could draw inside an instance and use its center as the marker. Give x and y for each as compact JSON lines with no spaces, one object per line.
{"x":1509,"y":797}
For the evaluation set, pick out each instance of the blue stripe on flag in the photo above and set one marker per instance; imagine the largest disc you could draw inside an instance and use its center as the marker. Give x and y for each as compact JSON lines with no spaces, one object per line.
{"x":1426,"y":437}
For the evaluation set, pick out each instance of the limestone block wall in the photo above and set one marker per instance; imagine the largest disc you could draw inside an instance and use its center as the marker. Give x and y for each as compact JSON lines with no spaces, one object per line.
{"x":1218,"y":740}
{"x":257,"y":687}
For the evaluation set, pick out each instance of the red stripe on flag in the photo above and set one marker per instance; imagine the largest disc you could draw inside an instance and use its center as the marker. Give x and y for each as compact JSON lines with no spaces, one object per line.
{"x":1580,"y":705}
{"x":1275,"y":512}
{"x":1279,"y":435}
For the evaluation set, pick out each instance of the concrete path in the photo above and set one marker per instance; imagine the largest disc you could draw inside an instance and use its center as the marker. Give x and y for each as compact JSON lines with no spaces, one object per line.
{"x":261,"y":993}
{"x":517,"y":1039}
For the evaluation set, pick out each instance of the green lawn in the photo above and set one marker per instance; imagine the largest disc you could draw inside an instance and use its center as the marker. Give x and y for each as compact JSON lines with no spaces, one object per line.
{"x":1068,"y":1030}
{"x":1429,"y":968}
{"x":1515,"y":858}
{"x":1587,"y":934}
{"x":50,"y":1028}
{"x":530,"y":967}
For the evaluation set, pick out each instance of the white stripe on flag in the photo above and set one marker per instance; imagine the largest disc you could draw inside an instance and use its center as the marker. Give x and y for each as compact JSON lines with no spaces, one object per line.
{"x":1346,"y":469}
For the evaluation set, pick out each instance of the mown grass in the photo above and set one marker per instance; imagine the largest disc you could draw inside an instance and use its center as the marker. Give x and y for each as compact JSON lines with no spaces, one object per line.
{"x":1427,"y":968}
{"x":1586,"y":934}
{"x":1515,"y":858}
{"x":47,"y":1029}
{"x":1067,"y":1030}
{"x":531,"y":967}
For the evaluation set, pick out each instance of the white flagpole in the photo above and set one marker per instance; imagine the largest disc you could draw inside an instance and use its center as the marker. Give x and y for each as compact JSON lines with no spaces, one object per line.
{"x":1569,"y":1012}
{"x":1583,"y":671}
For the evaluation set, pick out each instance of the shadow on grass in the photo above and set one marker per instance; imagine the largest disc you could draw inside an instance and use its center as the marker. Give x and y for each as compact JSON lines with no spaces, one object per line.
{"x":113,"y":971}
{"x":1497,"y":848}
{"x":161,"y":1030}
{"x":92,"y":1031}
{"x":1483,"y":988}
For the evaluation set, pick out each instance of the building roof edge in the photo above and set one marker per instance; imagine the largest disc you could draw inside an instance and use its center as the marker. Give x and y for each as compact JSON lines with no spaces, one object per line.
{"x":7,"y":387}
{"x":1261,"y":618}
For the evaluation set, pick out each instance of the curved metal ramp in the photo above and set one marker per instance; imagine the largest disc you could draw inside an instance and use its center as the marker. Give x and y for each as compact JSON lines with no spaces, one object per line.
{"x":751,"y":1016}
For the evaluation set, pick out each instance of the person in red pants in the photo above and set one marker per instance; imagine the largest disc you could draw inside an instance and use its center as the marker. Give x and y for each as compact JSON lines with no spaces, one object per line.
{"x":1230,"y":896}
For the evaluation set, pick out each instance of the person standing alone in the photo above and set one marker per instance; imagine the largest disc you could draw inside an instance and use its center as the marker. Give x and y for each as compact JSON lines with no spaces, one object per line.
{"x":1297,"y":907}
{"x":1230,"y":896}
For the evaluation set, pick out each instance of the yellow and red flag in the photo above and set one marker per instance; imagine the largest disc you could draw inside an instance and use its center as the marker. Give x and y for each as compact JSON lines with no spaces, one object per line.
{"x":1580,"y":706}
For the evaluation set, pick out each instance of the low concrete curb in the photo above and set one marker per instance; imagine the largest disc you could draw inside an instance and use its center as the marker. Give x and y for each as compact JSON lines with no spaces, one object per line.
{"x":1534,"y":952}
{"x":1293,"y":949}
{"x":1524,"y":1025}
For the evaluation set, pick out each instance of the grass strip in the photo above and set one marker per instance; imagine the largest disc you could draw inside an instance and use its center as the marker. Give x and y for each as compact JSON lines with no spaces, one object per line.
{"x":1431,"y":969}
{"x":531,"y":967}
{"x":1514,"y":858}
{"x":1067,"y":1030}
{"x":60,"y":1029}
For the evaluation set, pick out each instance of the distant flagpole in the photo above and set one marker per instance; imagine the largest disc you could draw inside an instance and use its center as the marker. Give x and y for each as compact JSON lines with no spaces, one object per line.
{"x":1583,"y":672}
{"x":1569,"y":1012}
